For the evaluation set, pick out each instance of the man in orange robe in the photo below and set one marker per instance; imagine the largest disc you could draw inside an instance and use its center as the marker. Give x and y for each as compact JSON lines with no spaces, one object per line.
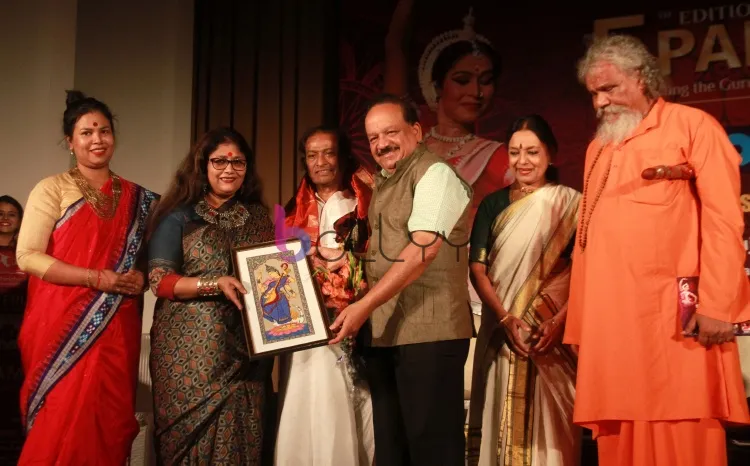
{"x":651,"y":394}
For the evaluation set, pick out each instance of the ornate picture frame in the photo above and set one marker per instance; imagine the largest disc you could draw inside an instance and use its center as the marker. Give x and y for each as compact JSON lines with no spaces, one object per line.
{"x":283,"y":309}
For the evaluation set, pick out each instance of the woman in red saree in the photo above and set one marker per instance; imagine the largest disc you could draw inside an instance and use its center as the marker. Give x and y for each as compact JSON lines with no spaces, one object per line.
{"x":80,"y":337}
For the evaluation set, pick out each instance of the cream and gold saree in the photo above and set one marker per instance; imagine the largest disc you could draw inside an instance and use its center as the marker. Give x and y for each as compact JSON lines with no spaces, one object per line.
{"x":521,"y":409}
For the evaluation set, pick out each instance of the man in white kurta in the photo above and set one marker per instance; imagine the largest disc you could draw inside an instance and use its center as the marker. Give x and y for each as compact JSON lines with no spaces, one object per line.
{"x":326,"y":418}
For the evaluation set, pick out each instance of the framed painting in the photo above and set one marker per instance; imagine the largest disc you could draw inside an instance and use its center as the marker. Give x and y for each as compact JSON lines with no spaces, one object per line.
{"x":283,"y":309}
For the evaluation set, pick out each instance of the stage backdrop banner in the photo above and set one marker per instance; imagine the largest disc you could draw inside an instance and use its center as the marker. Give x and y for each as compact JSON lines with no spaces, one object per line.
{"x":703,"y":51}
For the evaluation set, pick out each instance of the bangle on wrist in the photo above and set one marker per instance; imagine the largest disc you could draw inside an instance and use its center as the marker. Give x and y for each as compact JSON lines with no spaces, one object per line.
{"x":98,"y":278}
{"x":208,"y":286}
{"x":88,"y":278}
{"x":505,"y":318}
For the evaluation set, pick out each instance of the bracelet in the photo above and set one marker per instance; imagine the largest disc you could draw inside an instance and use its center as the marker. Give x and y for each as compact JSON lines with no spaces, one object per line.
{"x":208,"y":286}
{"x":98,"y":278}
{"x":88,"y":278}
{"x":507,"y":316}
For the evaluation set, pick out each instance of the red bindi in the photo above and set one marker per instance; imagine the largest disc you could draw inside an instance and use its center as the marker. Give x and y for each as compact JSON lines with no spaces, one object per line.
{"x":229,"y":154}
{"x":96,"y":124}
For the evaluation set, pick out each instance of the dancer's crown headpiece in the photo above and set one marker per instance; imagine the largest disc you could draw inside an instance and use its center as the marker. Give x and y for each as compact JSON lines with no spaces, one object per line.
{"x":435,"y":48}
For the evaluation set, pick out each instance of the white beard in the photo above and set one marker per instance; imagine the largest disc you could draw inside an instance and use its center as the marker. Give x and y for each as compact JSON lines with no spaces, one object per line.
{"x":616,"y":131}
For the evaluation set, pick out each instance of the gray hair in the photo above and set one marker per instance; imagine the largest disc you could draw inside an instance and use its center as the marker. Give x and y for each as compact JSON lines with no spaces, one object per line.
{"x":628,"y":54}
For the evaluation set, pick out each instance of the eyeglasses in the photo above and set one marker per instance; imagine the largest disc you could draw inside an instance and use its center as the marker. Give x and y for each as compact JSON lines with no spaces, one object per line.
{"x":220,"y":163}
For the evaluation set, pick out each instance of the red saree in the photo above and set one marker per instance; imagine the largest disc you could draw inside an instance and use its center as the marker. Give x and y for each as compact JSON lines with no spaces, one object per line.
{"x":80,"y":347}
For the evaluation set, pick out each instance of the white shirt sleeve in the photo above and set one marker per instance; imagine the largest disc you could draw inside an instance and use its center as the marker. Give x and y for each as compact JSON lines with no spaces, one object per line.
{"x":440,"y":198}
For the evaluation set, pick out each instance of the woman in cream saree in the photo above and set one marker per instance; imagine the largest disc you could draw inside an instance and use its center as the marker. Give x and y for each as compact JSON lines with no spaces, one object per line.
{"x":524,"y":378}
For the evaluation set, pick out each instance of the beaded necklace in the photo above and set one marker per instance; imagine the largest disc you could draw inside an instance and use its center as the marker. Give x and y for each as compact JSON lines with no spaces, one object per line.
{"x":233,"y":217}
{"x":586,"y":219}
{"x":459,"y":140}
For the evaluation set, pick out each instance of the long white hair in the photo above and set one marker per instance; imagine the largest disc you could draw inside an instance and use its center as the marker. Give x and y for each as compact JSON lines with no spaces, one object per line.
{"x":630,"y":55}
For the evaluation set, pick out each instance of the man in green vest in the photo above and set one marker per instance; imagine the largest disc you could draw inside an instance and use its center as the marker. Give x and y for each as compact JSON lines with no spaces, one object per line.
{"x":418,"y":303}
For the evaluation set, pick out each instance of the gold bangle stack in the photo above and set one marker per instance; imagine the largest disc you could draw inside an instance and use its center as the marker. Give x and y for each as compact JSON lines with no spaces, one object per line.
{"x":208,"y":286}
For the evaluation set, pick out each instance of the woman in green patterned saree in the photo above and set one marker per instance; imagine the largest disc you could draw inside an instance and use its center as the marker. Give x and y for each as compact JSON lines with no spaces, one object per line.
{"x":523,"y":382}
{"x":209,"y":399}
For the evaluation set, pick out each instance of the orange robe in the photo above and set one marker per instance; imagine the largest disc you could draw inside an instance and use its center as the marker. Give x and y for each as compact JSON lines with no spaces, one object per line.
{"x":650,"y":395}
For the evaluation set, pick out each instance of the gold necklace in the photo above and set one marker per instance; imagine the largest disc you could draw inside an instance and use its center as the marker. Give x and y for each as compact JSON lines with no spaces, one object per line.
{"x":518,"y":192}
{"x":103,"y":205}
